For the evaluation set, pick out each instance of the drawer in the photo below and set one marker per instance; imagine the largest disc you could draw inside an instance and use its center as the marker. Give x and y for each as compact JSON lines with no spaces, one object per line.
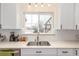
{"x":77,"y":52}
{"x":38,"y":51}
{"x":66,"y":52}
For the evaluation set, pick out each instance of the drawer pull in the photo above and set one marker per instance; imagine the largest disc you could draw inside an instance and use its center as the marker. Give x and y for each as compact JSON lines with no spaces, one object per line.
{"x":76,"y":52}
{"x":76,"y":27}
{"x":64,"y":51}
{"x":61,"y":27}
{"x":38,"y":51}
{"x":0,"y":26}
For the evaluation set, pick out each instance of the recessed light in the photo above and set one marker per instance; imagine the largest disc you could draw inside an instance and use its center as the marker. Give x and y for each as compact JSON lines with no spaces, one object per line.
{"x":42,"y":5}
{"x":29,"y":5}
{"x":49,"y":5}
{"x":36,"y":5}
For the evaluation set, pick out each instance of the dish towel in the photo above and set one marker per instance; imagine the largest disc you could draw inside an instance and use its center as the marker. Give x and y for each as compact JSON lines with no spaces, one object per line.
{"x":6,"y":53}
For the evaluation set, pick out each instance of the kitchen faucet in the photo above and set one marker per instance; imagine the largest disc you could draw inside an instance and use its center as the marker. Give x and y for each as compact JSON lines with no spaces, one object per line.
{"x":37,"y":39}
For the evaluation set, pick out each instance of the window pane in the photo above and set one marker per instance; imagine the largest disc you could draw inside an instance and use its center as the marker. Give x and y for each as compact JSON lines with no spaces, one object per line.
{"x":35,"y":18}
{"x":28,"y":18}
{"x":45,"y":22}
{"x":44,"y":18}
{"x":31,"y":22}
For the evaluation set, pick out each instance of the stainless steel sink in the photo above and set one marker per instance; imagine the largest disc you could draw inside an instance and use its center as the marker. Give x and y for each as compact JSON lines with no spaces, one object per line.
{"x":40,"y":43}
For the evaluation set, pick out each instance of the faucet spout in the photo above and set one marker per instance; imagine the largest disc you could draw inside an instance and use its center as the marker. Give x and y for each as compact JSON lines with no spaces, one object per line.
{"x":37,"y":39}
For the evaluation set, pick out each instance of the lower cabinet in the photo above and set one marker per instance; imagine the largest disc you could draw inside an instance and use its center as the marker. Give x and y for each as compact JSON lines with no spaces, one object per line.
{"x":49,"y":52}
{"x":66,"y":52}
{"x":38,"y":52}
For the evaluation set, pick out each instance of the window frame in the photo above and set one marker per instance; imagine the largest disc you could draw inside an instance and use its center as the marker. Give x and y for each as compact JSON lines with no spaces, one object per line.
{"x":41,"y":13}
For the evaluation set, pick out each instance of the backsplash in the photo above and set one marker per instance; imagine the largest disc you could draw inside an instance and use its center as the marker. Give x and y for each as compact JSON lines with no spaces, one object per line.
{"x":67,"y":35}
{"x":7,"y":32}
{"x":59,"y":35}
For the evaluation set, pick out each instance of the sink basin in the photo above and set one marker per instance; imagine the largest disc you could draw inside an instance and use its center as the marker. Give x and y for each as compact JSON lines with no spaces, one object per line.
{"x":40,"y":43}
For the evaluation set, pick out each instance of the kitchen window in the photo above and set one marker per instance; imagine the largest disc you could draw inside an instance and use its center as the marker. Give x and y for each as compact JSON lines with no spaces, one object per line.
{"x":39,"y":22}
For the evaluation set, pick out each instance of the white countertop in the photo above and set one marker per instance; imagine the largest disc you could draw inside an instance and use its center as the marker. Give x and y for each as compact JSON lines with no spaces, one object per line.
{"x":54,"y":44}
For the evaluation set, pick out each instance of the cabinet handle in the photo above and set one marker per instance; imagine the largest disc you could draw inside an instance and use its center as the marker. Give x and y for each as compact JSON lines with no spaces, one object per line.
{"x":64,"y":51}
{"x":38,"y":51}
{"x":25,"y":20}
{"x":61,"y":27}
{"x":0,"y":26}
{"x":76,"y":52}
{"x":76,"y":27}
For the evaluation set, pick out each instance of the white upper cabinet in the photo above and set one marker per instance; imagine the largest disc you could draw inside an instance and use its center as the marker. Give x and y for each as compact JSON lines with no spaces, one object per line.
{"x":0,"y":15}
{"x":10,"y":16}
{"x":76,"y":16}
{"x":66,"y":17}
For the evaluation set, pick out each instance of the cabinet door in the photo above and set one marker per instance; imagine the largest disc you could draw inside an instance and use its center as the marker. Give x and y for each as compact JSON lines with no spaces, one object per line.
{"x":77,"y":16}
{"x":39,"y":52}
{"x":20,"y":21}
{"x":66,"y":52}
{"x":66,"y":16}
{"x":0,"y":14}
{"x":8,"y":16}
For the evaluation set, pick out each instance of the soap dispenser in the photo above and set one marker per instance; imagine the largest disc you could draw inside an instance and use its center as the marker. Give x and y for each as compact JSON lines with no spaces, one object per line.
{"x":12,"y":36}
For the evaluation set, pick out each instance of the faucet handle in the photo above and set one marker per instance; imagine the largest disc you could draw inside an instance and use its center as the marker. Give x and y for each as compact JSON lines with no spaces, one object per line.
{"x":35,"y":40}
